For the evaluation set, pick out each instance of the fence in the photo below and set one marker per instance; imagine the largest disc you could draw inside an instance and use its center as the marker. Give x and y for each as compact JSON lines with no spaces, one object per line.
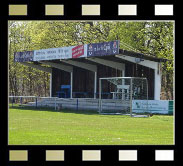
{"x":90,"y":104}
{"x":55,"y":102}
{"x":28,"y":100}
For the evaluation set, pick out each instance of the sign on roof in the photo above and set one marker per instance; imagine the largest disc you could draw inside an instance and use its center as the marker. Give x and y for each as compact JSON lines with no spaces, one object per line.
{"x":103,"y":49}
{"x":60,"y":53}
{"x":23,"y":56}
{"x":52,"y":53}
{"x":86,"y":50}
{"x":79,"y":51}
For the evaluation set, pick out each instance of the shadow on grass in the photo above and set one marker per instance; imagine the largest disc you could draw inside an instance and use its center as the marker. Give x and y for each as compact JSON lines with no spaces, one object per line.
{"x":50,"y":109}
{"x":84,"y":112}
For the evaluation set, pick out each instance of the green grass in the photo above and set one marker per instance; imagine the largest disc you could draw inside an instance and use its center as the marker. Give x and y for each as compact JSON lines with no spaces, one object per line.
{"x":30,"y":126}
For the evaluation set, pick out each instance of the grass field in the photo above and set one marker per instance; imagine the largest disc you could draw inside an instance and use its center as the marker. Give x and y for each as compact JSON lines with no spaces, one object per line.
{"x":30,"y":126}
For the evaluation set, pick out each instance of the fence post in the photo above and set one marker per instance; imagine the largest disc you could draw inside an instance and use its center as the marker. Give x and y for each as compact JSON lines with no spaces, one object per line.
{"x":21,"y":101}
{"x":12,"y":101}
{"x":77,"y":103}
{"x":36,"y":101}
{"x":55,"y":105}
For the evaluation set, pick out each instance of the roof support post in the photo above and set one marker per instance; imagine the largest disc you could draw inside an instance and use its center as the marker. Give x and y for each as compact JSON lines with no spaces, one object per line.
{"x":90,"y":67}
{"x":112,"y":64}
{"x":150,"y":64}
{"x":64,"y":68}
{"x":157,"y":84}
{"x":51,"y":84}
{"x":71,"y":83}
{"x":95,"y":85}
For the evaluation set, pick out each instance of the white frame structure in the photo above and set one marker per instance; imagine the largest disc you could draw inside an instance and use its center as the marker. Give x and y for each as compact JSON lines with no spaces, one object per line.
{"x":122,"y":98}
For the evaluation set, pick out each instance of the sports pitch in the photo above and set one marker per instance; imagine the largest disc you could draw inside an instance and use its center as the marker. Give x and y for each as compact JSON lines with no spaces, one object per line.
{"x":45,"y":126}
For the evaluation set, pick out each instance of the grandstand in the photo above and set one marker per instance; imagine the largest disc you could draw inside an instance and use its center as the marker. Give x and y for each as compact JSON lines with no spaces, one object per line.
{"x":75,"y":72}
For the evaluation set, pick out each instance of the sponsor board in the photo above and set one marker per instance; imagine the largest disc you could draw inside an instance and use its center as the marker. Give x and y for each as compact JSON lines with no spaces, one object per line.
{"x":86,"y":50}
{"x":153,"y":106}
{"x":103,"y":49}
{"x":79,"y":51}
{"x":53,"y":53}
{"x":25,"y":56}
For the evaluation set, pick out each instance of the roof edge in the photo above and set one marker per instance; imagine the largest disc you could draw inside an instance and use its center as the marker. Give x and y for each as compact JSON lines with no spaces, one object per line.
{"x":140,"y":55}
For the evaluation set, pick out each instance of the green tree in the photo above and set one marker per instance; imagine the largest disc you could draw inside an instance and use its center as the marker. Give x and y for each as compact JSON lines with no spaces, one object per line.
{"x":148,"y":37}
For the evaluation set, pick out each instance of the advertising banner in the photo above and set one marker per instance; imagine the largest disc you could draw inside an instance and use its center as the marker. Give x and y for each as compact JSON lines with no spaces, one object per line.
{"x":154,"y":106}
{"x":53,"y":53}
{"x":79,"y":51}
{"x":61,"y":53}
{"x":25,"y":56}
{"x":86,"y":50}
{"x":103,"y":49}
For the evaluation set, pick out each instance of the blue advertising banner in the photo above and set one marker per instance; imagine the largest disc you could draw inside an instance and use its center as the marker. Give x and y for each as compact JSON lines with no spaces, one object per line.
{"x":102,"y":49}
{"x":24,"y":56}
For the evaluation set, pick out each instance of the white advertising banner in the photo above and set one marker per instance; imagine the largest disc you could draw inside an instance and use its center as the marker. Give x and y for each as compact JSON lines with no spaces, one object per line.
{"x":53,"y":53}
{"x":156,"y":106}
{"x":60,"y":53}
